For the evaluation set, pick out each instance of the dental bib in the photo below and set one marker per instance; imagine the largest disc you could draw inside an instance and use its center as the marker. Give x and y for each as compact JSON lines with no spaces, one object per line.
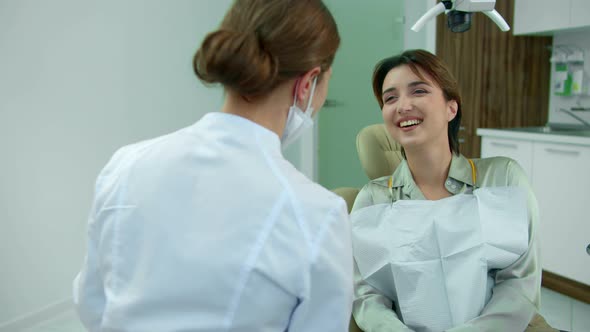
{"x":435,"y":259}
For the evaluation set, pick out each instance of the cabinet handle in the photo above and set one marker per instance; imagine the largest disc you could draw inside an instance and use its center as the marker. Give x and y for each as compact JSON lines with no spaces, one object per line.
{"x":505,"y":145}
{"x":563,"y":152}
{"x":461,"y":140}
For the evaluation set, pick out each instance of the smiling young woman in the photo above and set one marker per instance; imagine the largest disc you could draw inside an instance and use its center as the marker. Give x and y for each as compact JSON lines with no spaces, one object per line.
{"x":421,"y":108}
{"x":424,"y":74}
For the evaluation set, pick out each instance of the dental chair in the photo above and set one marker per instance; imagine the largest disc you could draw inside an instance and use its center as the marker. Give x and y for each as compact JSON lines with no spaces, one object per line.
{"x":380,"y":155}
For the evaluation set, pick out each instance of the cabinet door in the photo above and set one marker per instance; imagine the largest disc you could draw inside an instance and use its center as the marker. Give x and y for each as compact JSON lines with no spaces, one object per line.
{"x":521,"y":151}
{"x":580,"y":13}
{"x":533,"y":16}
{"x":561,"y":181}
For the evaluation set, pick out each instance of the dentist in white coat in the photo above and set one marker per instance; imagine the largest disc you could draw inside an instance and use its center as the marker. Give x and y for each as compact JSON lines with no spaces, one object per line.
{"x":209,"y":228}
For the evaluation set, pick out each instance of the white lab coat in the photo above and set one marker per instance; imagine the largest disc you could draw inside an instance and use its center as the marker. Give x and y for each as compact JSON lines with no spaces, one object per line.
{"x":211,"y":229}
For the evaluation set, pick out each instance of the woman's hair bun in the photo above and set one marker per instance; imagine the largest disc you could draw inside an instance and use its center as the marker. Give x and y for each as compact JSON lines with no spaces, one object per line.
{"x":238,"y":60}
{"x":261,"y":44}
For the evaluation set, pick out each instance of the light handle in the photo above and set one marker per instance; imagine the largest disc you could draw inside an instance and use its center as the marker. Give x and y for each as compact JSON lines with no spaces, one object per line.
{"x":430,"y":14}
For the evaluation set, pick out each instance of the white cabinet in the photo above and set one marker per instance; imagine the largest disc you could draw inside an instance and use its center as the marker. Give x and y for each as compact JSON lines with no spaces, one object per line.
{"x":580,"y":13}
{"x":519,"y":150}
{"x":546,"y":16}
{"x":561,"y":181}
{"x":534,"y":16}
{"x":560,"y":177}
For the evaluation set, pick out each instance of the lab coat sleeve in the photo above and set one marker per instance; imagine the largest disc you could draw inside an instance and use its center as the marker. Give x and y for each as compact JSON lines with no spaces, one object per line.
{"x":89,"y":297}
{"x":516,"y":296}
{"x":88,"y":289}
{"x":372,"y":311}
{"x":327,"y":306}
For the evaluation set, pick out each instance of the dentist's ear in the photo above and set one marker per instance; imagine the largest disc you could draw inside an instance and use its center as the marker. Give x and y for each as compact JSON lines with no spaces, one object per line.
{"x":303,"y":85}
{"x":452,"y":108}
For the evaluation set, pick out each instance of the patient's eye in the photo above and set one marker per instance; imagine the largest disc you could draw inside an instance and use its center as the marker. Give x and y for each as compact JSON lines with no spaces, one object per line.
{"x":420,"y":92}
{"x":387,"y":99}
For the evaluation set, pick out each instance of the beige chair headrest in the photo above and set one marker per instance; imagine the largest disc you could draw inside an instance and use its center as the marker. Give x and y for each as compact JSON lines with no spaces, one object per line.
{"x":378,"y":152}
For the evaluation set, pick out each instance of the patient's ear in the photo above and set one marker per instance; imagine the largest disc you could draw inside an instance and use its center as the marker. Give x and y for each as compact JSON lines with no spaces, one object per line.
{"x":452,"y":108}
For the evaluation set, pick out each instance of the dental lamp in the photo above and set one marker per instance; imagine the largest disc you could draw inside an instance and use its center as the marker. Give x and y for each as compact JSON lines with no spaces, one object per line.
{"x":459,"y":14}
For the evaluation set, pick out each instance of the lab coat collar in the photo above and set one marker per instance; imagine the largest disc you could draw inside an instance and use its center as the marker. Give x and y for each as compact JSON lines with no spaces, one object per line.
{"x":243,"y":129}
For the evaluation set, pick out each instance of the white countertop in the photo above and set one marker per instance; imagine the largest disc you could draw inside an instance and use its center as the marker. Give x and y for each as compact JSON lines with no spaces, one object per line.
{"x":516,"y":133}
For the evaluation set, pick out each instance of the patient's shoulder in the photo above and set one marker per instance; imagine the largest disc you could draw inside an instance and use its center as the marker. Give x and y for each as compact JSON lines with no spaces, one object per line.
{"x":494,"y":163}
{"x":500,"y":171}
{"x":374,"y":192}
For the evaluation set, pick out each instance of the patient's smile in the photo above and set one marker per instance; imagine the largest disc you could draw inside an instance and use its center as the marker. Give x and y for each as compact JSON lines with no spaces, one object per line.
{"x":409,"y":123}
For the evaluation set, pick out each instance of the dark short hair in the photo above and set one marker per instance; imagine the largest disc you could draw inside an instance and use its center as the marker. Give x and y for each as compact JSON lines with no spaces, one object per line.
{"x":438,"y":72}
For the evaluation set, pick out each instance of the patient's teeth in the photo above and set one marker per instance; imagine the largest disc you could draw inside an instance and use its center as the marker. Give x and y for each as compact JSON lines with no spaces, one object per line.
{"x":409,"y":123}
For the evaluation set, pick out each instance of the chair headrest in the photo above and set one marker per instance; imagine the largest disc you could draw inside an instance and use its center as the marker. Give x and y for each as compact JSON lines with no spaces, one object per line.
{"x":378,"y":152}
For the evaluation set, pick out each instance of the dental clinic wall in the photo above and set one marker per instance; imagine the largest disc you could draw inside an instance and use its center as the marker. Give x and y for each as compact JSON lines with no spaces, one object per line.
{"x":78,"y":79}
{"x":369,"y":33}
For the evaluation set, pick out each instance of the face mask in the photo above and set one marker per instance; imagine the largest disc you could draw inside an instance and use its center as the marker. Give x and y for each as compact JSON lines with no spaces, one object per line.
{"x":298,"y":121}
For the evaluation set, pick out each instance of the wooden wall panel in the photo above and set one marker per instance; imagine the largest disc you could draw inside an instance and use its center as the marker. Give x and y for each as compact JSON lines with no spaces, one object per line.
{"x":504,"y":79}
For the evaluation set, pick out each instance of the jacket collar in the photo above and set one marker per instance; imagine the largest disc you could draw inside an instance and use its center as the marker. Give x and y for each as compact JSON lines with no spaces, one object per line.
{"x":459,"y":171}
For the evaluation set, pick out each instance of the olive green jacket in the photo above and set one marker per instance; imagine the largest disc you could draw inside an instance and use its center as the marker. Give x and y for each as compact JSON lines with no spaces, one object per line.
{"x":516,"y":294}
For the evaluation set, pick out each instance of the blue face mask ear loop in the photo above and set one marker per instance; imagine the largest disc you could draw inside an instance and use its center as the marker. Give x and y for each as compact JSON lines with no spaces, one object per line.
{"x":315,"y":81}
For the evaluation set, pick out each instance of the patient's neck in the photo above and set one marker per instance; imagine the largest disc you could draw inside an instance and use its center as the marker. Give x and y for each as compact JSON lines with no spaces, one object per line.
{"x":430,"y":169}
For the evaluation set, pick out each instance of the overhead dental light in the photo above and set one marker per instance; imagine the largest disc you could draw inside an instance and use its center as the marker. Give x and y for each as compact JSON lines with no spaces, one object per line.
{"x":459,"y":14}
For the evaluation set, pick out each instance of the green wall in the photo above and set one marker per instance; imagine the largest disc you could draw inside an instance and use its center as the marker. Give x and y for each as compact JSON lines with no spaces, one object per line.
{"x":369,"y":33}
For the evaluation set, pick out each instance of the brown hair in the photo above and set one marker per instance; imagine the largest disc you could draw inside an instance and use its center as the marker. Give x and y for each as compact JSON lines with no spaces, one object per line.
{"x":438,"y":72}
{"x":263,"y":43}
